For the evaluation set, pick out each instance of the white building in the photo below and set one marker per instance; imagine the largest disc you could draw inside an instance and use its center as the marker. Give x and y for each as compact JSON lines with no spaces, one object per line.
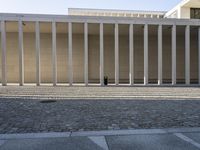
{"x":129,"y":47}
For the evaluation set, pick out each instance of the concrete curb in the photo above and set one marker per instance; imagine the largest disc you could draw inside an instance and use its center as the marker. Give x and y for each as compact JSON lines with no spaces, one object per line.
{"x":109,"y":85}
{"x":102,"y":98}
{"x":34,"y":135}
{"x":97,"y":133}
{"x":119,"y":132}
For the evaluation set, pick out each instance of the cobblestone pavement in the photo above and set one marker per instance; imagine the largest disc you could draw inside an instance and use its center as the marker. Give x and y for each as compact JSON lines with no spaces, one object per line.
{"x":29,"y":115}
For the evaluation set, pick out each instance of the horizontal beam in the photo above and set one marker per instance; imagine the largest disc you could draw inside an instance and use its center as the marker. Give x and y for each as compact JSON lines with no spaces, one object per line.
{"x":98,"y":19}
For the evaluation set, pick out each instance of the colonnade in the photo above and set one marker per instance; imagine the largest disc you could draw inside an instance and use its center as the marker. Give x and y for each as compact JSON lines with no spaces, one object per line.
{"x":101,"y":54}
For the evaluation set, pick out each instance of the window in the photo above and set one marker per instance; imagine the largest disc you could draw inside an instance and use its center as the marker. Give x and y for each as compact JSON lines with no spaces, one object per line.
{"x":195,"y":13}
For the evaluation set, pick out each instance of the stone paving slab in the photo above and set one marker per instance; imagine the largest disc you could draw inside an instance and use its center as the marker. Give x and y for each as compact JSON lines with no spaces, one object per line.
{"x":148,"y":142}
{"x":144,"y":140}
{"x":194,"y":136}
{"x":34,"y":135}
{"x":75,"y":143}
{"x":120,"y":132}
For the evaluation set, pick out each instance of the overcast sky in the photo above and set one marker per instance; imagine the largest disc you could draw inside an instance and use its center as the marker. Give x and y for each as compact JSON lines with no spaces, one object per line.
{"x":61,"y":6}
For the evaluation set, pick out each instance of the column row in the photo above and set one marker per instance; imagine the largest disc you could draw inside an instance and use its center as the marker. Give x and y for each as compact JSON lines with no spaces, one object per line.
{"x":101,"y":54}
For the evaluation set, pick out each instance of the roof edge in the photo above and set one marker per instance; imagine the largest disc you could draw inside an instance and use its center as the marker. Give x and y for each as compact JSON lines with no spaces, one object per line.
{"x":176,"y":7}
{"x":115,"y":10}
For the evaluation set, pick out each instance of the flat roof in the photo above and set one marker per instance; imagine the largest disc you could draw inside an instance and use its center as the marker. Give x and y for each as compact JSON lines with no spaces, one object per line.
{"x":114,"y":11}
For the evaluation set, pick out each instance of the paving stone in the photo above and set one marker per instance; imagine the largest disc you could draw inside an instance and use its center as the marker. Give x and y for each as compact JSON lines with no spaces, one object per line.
{"x":86,"y":115}
{"x":193,"y":136}
{"x":24,"y":114}
{"x":75,"y":143}
{"x":148,"y":142}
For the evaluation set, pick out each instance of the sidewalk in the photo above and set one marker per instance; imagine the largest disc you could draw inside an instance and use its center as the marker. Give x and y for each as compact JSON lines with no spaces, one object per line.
{"x":149,"y":139}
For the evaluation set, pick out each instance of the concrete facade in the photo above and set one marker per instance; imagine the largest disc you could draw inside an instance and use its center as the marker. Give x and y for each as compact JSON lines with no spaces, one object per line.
{"x":182,"y":10}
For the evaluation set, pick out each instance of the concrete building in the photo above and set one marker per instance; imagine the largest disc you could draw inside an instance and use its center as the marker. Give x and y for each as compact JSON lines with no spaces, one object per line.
{"x":129,"y":47}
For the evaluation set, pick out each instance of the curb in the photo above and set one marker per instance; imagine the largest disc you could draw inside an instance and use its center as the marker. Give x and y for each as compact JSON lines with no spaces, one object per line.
{"x":97,"y":133}
{"x":33,"y":97}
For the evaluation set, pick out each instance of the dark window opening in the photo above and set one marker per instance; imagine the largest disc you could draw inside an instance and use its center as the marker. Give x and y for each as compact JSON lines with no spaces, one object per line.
{"x":195,"y":13}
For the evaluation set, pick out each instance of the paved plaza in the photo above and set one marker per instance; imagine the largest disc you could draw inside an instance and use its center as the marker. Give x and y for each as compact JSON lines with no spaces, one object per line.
{"x":27,"y":114}
{"x":121,"y":118}
{"x":156,"y":139}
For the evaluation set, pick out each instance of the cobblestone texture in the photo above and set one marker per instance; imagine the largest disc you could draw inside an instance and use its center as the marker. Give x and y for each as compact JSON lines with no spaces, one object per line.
{"x":29,"y":115}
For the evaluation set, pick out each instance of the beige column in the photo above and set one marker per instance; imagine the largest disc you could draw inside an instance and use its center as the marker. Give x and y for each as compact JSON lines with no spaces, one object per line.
{"x":160,"y":55}
{"x":116,"y":54}
{"x":145,"y":54}
{"x":21,"y":52}
{"x":187,"y":55}
{"x":3,"y":54}
{"x":86,"y":53}
{"x":70,"y":63}
{"x":37,"y":43}
{"x":101,"y":55}
{"x":199,"y":53}
{"x":131,"y":55}
{"x":54,"y":56}
{"x":173,"y":54}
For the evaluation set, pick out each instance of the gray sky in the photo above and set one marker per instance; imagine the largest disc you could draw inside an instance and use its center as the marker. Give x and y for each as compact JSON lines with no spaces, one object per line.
{"x":61,"y":6}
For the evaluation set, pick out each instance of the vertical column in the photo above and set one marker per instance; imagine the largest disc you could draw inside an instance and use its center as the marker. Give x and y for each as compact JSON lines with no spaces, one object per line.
{"x":3,"y":54}
{"x":159,"y":54}
{"x":199,"y":53}
{"x":86,"y":53}
{"x":187,"y":55}
{"x":37,"y":43}
{"x":54,"y":57}
{"x":70,"y":70}
{"x":21,"y":53}
{"x":173,"y":54}
{"x":145,"y":54}
{"x":131,"y":55}
{"x":116,"y":54}
{"x":101,"y":55}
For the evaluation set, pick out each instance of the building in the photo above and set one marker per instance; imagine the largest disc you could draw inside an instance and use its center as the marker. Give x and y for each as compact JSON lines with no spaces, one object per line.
{"x":129,"y":47}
